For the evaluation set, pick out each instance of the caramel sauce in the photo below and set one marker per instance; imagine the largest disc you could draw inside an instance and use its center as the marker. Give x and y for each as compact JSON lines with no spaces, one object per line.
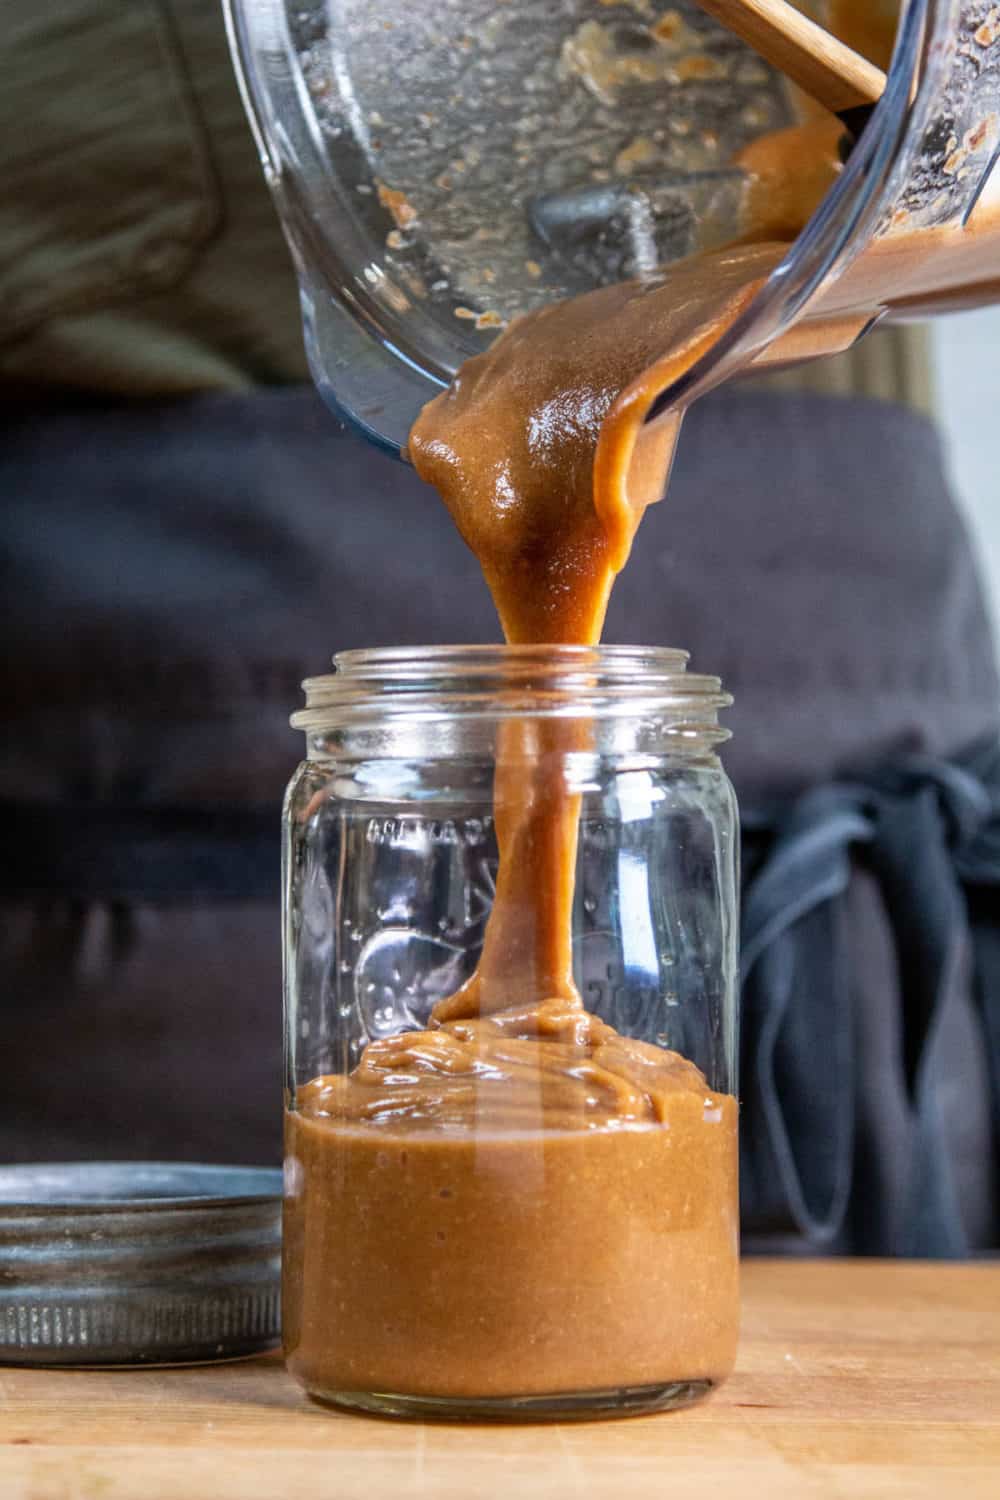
{"x":869,"y":28}
{"x":520,"y":1200}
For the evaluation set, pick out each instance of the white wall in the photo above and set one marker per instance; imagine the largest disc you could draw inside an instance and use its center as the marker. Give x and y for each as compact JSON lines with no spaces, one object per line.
{"x":967,"y":358}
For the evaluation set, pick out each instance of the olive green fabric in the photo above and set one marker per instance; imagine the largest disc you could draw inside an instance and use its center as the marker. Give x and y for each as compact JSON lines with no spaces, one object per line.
{"x":139,"y":250}
{"x":140,"y":254}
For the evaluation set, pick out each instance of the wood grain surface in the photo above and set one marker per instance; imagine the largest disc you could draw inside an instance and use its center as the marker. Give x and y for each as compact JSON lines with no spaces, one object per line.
{"x":855,"y":1379}
{"x":810,"y":56}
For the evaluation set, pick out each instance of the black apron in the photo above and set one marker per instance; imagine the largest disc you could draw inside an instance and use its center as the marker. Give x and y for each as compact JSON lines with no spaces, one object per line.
{"x":174,"y":570}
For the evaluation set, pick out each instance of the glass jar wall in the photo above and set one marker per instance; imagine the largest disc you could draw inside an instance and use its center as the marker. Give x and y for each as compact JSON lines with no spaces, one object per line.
{"x":510,"y":947}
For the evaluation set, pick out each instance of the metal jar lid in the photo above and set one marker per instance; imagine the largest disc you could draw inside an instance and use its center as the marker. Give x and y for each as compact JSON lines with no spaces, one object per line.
{"x":138,"y":1262}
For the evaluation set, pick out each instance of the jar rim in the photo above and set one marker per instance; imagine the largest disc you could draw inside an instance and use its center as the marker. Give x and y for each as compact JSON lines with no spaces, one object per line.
{"x":500,"y":681}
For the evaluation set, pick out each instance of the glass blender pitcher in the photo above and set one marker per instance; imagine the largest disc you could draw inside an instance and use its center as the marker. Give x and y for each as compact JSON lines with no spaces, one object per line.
{"x":440,"y":169}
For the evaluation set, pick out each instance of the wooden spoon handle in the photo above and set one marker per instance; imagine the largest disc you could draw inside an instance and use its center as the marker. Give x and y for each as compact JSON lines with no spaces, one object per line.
{"x":828,"y":70}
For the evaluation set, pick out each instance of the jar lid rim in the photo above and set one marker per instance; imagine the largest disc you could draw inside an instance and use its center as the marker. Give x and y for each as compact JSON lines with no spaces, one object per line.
{"x":497,"y":654}
{"x":509,"y":681}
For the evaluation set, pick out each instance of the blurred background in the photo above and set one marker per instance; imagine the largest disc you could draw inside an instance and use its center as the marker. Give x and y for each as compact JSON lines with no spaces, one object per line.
{"x":967,"y":376}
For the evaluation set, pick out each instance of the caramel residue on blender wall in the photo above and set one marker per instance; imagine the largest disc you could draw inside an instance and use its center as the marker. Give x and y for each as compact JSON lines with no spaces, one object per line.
{"x":398,"y":205}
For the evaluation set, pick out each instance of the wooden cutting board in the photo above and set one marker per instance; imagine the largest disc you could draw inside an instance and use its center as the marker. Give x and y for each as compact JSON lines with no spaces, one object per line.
{"x":855,"y":1379}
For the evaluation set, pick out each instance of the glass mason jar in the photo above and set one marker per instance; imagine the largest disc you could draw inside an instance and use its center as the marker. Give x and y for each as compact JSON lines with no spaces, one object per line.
{"x":510,"y":1195}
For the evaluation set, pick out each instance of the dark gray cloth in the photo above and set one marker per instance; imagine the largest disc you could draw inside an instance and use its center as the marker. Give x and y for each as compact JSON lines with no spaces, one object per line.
{"x":174,"y":570}
{"x":882,"y":1148}
{"x":177,"y":566}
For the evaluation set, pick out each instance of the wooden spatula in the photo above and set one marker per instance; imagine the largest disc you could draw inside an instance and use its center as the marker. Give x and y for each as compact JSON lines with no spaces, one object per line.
{"x":832,"y":73}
